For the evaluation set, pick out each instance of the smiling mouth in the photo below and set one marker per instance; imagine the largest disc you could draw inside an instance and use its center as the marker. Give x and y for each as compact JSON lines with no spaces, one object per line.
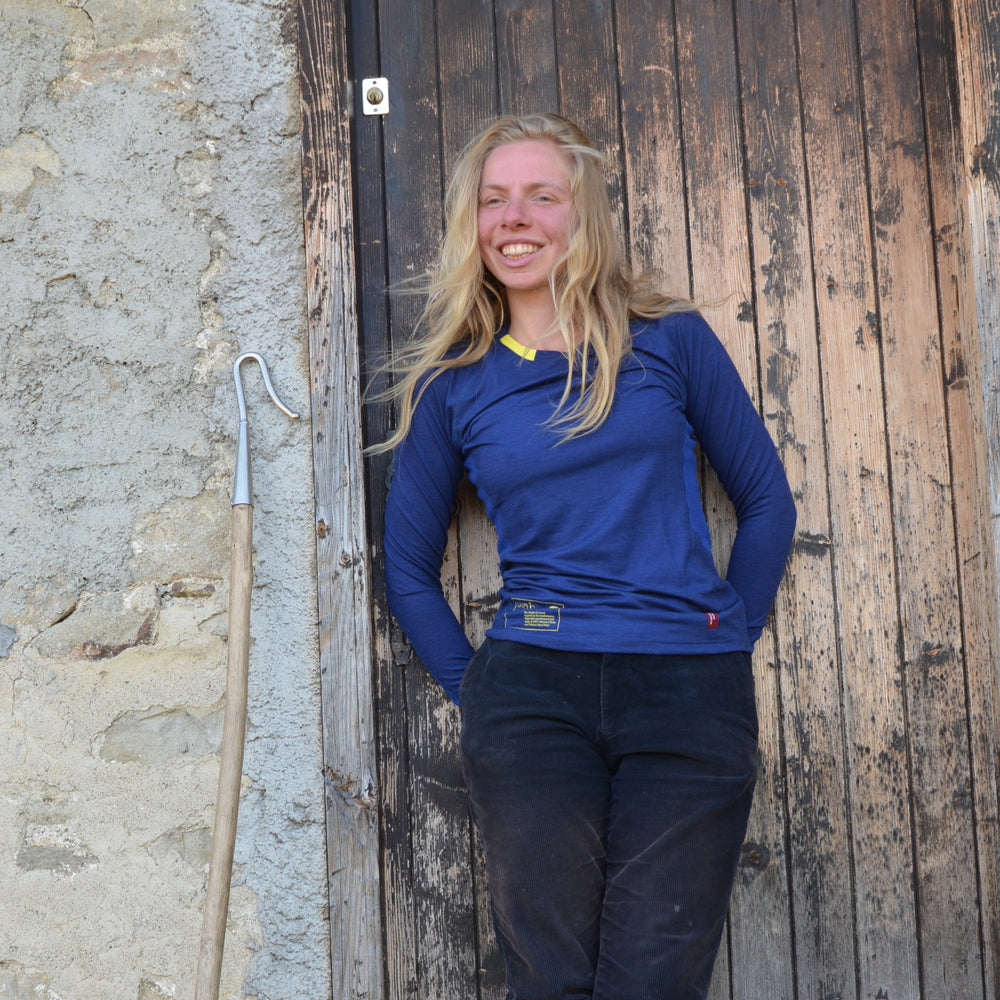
{"x":518,"y":251}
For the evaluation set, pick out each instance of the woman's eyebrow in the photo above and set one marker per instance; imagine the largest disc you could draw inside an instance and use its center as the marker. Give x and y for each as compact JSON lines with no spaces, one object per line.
{"x":497,"y":186}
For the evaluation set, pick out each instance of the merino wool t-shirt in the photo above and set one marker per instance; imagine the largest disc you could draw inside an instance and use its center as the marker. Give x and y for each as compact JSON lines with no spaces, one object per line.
{"x":602,"y":539}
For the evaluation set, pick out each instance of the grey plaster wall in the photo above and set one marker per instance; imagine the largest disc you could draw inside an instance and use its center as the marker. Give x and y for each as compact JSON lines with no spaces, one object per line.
{"x":150,"y":232}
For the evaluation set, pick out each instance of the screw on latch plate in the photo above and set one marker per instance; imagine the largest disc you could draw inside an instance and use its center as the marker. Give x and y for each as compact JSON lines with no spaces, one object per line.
{"x":375,"y":95}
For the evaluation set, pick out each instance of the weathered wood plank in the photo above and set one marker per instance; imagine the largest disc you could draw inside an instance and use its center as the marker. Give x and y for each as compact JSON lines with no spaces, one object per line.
{"x":441,"y":872}
{"x":805,"y":616}
{"x":760,"y":947}
{"x":967,"y":209}
{"x":391,"y":652}
{"x":467,"y":72}
{"x":651,"y":141}
{"x":412,"y":170}
{"x":341,"y":552}
{"x":588,"y":92}
{"x":526,"y":56}
{"x":922,"y":504}
{"x":865,"y":573}
{"x":977,"y":35}
{"x":716,"y":200}
{"x":584,"y":38}
{"x":443,"y":882}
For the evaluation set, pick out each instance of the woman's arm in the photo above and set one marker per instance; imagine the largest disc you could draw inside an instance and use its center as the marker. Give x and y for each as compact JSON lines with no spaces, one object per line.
{"x":736,"y":442}
{"x":426,"y":472}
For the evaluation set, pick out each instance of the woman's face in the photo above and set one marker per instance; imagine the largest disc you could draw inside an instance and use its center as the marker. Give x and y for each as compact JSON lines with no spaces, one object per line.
{"x":525,"y":214}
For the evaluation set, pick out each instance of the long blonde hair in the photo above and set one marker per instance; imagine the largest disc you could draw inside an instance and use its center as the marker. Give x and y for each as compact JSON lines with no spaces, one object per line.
{"x":594,"y":290}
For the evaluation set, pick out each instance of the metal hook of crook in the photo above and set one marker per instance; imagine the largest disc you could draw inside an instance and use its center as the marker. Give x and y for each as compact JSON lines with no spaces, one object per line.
{"x":242,"y":483}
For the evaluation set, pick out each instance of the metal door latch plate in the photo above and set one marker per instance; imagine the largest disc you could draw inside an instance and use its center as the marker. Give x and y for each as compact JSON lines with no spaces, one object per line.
{"x":375,"y":96}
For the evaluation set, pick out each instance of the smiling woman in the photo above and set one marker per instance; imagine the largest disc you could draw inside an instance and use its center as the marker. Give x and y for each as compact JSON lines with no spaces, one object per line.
{"x":609,"y":729}
{"x":592,"y":291}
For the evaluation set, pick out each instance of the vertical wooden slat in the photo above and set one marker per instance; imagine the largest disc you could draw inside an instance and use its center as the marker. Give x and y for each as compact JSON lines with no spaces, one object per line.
{"x":865,"y":572}
{"x":922,"y":504}
{"x":467,"y":77}
{"x":392,"y":728}
{"x":342,"y":559}
{"x":720,"y":268}
{"x":967,"y":240}
{"x":651,"y":141}
{"x":810,"y":685}
{"x":442,"y":883}
{"x":977,"y":35}
{"x":588,"y":94}
{"x":526,"y":56}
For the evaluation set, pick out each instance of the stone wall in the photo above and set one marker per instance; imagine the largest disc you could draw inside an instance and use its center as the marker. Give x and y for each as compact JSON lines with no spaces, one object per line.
{"x":150,"y":232}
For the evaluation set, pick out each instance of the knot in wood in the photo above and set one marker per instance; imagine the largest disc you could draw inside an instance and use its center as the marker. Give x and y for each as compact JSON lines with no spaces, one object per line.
{"x":755,"y":856}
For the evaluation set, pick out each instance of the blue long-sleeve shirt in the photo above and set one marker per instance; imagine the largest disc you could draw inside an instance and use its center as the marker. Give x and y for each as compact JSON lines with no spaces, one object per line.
{"x":602,"y":539}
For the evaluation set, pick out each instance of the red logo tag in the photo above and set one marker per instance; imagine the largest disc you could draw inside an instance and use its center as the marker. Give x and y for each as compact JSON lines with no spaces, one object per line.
{"x":713,"y":619}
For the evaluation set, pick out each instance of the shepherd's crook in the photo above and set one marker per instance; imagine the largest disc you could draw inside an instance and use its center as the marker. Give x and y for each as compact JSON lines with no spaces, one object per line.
{"x":220,"y":870}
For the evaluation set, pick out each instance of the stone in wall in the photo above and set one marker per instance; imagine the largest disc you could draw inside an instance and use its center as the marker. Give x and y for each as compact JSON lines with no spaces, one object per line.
{"x":20,"y":161}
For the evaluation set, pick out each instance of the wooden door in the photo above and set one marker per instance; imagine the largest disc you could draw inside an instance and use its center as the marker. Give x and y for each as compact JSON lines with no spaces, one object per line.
{"x":799,"y":168}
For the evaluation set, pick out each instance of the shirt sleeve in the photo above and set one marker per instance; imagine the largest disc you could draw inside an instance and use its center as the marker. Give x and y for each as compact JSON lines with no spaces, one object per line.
{"x":427,"y":469}
{"x":736,"y":442}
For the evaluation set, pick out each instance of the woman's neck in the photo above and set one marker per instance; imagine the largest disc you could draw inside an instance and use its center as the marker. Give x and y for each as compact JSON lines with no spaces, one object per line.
{"x":533,"y":323}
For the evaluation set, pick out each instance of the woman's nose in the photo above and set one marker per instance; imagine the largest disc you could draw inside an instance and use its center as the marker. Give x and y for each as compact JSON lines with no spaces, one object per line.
{"x":514,"y":212}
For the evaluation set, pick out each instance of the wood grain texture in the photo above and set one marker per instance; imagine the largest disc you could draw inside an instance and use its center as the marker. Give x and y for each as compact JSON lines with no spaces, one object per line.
{"x":467,"y":75}
{"x":588,"y":94}
{"x":391,"y":653}
{"x":967,"y":213}
{"x":759,"y":944}
{"x":976,"y":24}
{"x":413,"y":51}
{"x":821,"y":934}
{"x":651,"y":141}
{"x":341,"y":550}
{"x":922,"y":503}
{"x":865,"y":573}
{"x":526,"y":56}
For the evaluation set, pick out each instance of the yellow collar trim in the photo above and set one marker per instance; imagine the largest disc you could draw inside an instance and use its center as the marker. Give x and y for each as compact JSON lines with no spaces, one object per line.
{"x":528,"y":353}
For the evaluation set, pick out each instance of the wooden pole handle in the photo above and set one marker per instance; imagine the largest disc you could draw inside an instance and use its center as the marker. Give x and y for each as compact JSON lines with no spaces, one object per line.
{"x":231,"y":766}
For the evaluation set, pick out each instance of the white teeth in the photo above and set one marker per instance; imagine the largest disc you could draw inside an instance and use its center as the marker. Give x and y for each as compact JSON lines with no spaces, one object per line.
{"x":518,"y":249}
